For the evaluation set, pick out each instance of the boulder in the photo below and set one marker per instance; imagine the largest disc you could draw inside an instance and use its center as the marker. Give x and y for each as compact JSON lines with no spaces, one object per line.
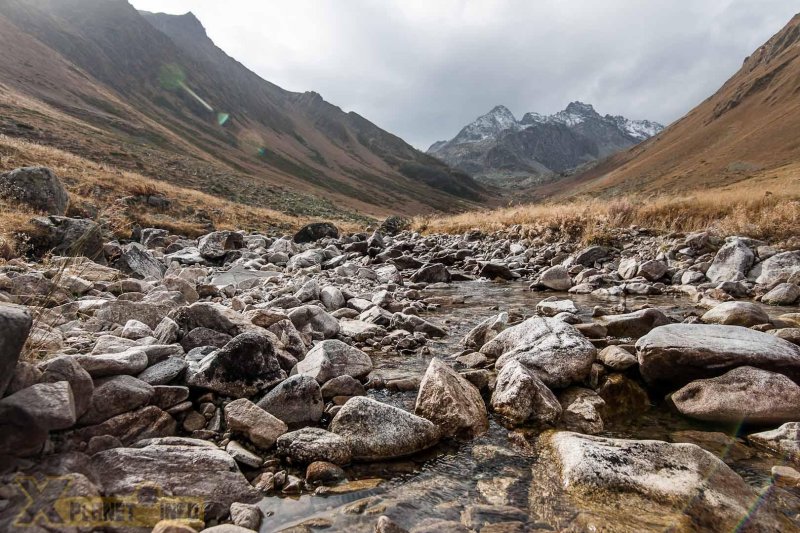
{"x":432,"y":273}
{"x":731,"y":263}
{"x":556,"y":278}
{"x":616,"y":358}
{"x":633,"y":324}
{"x":783,"y":441}
{"x":50,"y":405}
{"x":580,"y":410}
{"x":333,"y":358}
{"x":591,"y":254}
{"x":245,"y":366}
{"x":550,"y":348}
{"x":743,"y":395}
{"x":553,"y":306}
{"x":623,"y":397}
{"x":316,"y":231}
{"x":36,"y":187}
{"x":676,"y":486}
{"x":520,"y":396}
{"x":218,"y":243}
{"x":307,"y":445}
{"x":778,"y":269}
{"x":202,"y":471}
{"x":332,"y":298}
{"x":115,"y":395}
{"x":164,"y":372}
{"x":679,"y":353}
{"x":736,"y":314}
{"x":15,"y":324}
{"x":342,"y":386}
{"x":130,"y":362}
{"x":260,"y":427}
{"x":496,"y":271}
{"x":375,"y":430}
{"x":652,"y":270}
{"x":144,"y":423}
{"x":486,"y":331}
{"x":20,"y":434}
{"x":138,"y":262}
{"x":297,"y":401}
{"x":322,"y":324}
{"x":214,"y":316}
{"x":782,"y":294}
{"x":451,"y":402}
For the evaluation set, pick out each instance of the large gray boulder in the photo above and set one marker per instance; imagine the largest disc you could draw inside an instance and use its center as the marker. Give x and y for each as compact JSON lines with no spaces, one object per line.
{"x":36,"y":187}
{"x":65,"y":236}
{"x":307,"y":445}
{"x":633,"y":324}
{"x":15,"y":324}
{"x":679,"y":353}
{"x":520,"y":396}
{"x":782,"y":294}
{"x":451,"y":402}
{"x":218,"y":243}
{"x":333,"y":358}
{"x":245,"y":366}
{"x":137,"y":261}
{"x":432,"y":273}
{"x":731,"y":263}
{"x":676,"y":486}
{"x":321,"y":323}
{"x":745,"y":314}
{"x":550,"y":348}
{"x":375,"y":430}
{"x":316,"y":231}
{"x":778,"y":268}
{"x":556,"y":278}
{"x":130,"y":362}
{"x":66,"y":368}
{"x":116,"y":395}
{"x":202,"y":471}
{"x":50,"y":405}
{"x":244,"y":417}
{"x":486,"y":331}
{"x":743,"y":395}
{"x":297,"y":401}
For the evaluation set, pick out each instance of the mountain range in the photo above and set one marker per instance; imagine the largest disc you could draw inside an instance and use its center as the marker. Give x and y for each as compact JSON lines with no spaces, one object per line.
{"x":152,"y":93}
{"x":497,"y":146}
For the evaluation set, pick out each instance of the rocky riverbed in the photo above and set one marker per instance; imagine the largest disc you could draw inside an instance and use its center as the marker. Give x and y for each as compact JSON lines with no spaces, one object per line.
{"x":393,"y":381}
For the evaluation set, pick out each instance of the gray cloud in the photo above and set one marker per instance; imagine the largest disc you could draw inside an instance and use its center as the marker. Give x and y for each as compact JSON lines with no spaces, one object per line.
{"x":423,"y":69}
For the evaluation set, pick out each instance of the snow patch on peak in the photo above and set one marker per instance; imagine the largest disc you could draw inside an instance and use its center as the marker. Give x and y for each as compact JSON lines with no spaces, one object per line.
{"x":638,"y":129}
{"x":487,"y":126}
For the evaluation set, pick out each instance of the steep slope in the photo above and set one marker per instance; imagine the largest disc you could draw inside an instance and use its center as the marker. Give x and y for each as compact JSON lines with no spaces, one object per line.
{"x":748,"y":130}
{"x":496,"y":147}
{"x":152,"y":93}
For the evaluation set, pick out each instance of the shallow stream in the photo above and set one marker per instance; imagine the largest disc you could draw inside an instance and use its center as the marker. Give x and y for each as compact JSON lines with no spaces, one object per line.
{"x":495,"y":468}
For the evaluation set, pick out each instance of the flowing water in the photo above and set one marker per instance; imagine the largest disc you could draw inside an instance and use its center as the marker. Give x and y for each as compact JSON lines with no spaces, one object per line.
{"x":495,"y":468}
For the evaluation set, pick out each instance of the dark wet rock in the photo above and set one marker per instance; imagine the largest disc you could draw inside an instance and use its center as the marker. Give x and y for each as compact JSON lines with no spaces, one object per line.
{"x":496,"y":271}
{"x":677,"y":485}
{"x":308,"y":445}
{"x":333,"y":358}
{"x":679,"y":353}
{"x":316,"y":231}
{"x":623,"y":397}
{"x":192,"y":471}
{"x":15,"y":324}
{"x":736,"y":314}
{"x":552,"y":349}
{"x":36,"y":187}
{"x":633,"y":324}
{"x":743,"y":395}
{"x":115,"y":395}
{"x":260,"y":427}
{"x":297,"y":401}
{"x":51,"y":405}
{"x":374,"y":430}
{"x":731,"y":263}
{"x":451,"y":402}
{"x":243,"y":367}
{"x":520,"y":396}
{"x":432,"y":273}
{"x":164,"y":372}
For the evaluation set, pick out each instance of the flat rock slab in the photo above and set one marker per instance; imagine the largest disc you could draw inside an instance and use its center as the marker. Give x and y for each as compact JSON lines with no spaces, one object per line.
{"x":679,"y":353}
{"x":784,"y":441}
{"x":676,"y":487}
{"x":237,"y":275}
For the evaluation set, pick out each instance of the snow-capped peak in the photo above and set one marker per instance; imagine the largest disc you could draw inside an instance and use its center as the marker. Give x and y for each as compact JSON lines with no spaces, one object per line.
{"x":638,"y":129}
{"x":488,"y":126}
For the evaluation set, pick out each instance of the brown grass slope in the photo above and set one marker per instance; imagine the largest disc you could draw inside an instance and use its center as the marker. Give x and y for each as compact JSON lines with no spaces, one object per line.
{"x":147,"y":93}
{"x":748,"y":132}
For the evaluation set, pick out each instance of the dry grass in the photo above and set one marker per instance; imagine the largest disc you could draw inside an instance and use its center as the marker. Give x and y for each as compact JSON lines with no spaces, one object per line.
{"x":741,"y":211}
{"x":119,"y":198}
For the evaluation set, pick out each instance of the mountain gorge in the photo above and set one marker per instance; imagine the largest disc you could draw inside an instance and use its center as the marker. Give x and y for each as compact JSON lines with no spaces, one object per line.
{"x":153,"y":94}
{"x":497,"y":147}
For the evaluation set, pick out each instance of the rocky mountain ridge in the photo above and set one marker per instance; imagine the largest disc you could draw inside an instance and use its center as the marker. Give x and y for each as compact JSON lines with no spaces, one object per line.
{"x":497,"y":145}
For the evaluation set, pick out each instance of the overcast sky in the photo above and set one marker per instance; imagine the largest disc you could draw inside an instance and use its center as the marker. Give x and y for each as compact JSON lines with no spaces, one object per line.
{"x":423,"y":69}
